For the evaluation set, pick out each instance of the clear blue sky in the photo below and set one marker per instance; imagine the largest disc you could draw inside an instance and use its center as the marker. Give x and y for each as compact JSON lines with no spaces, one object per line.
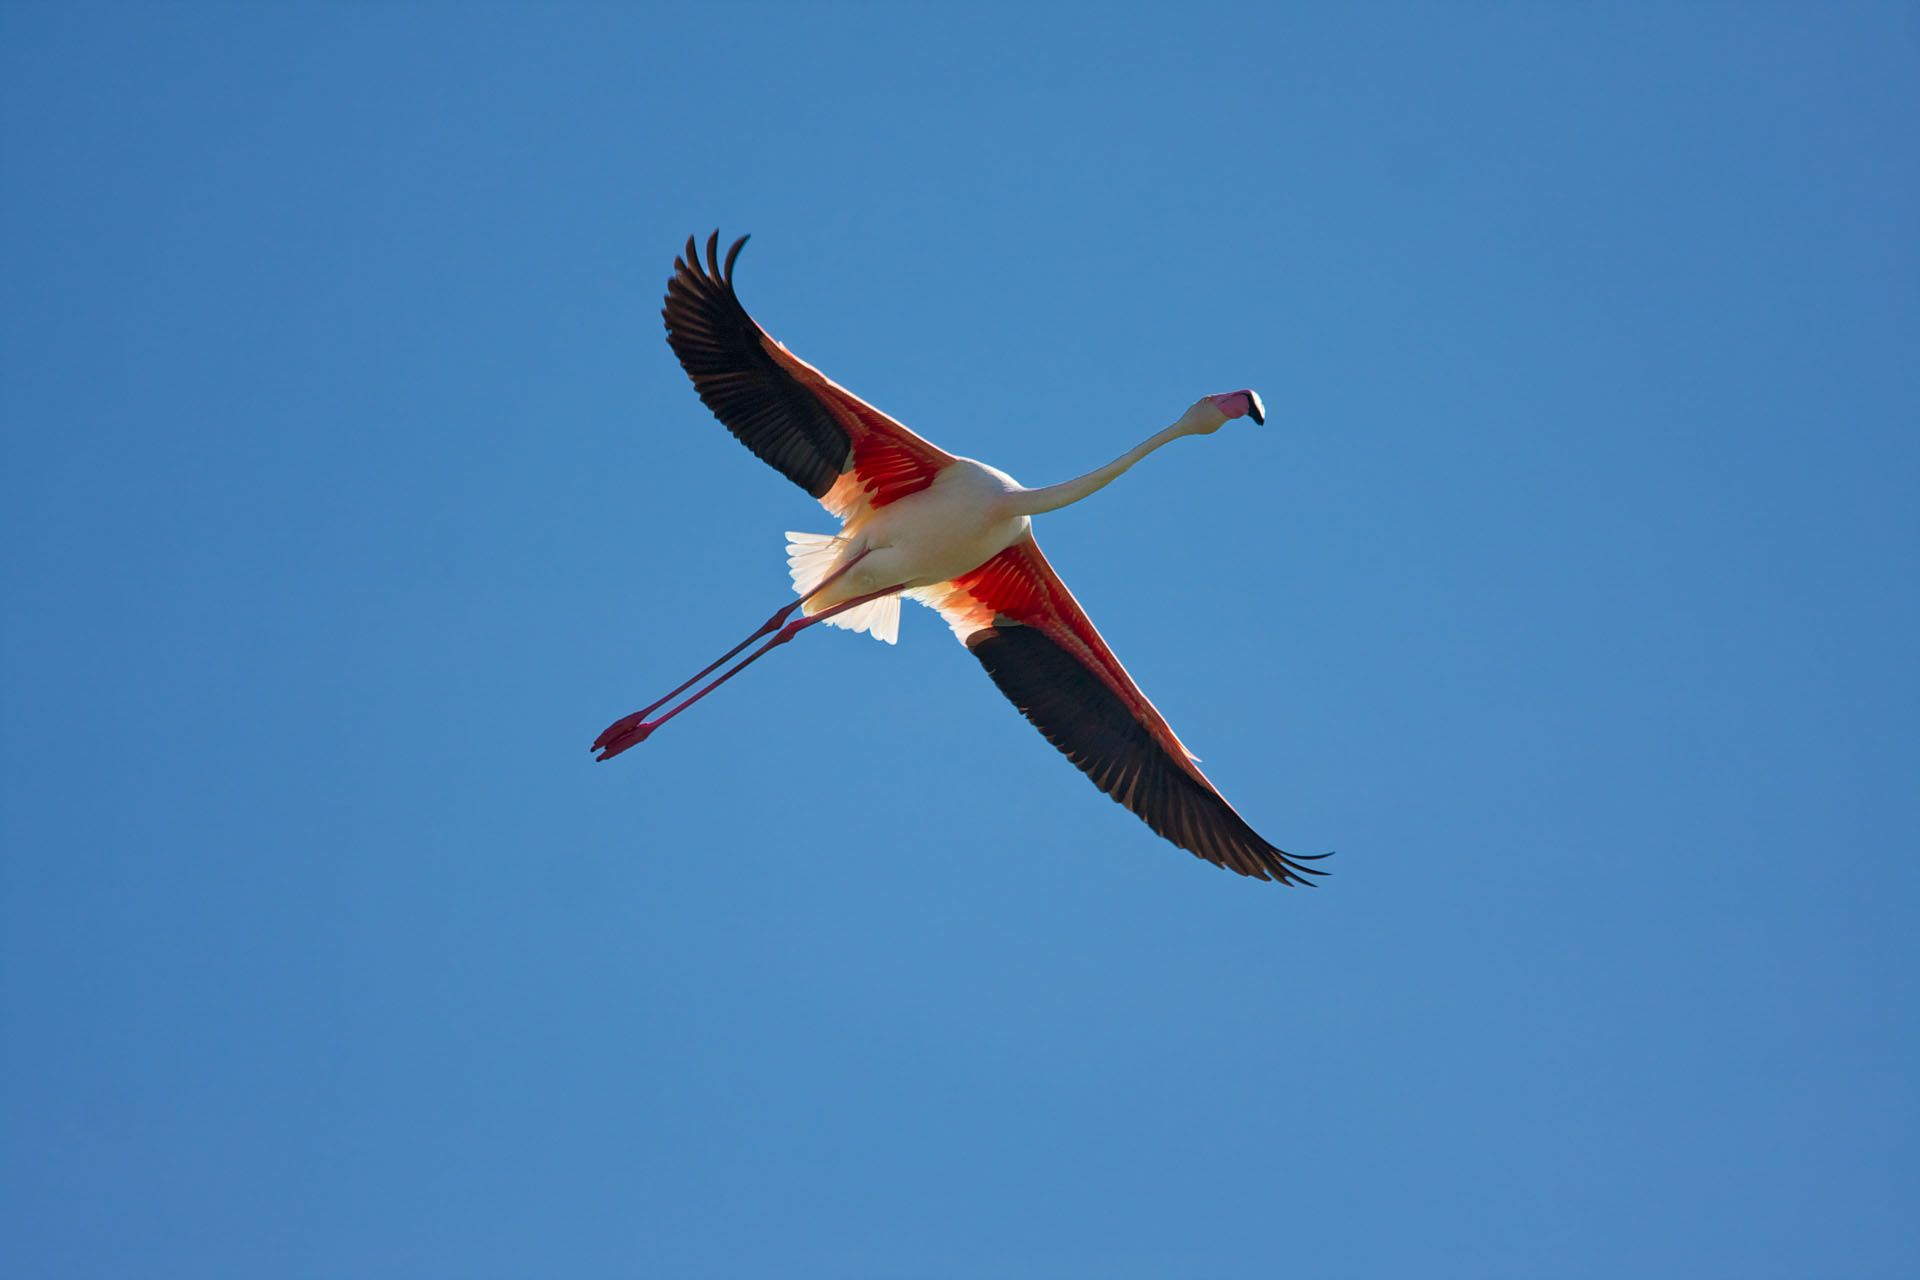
{"x":349,"y":489}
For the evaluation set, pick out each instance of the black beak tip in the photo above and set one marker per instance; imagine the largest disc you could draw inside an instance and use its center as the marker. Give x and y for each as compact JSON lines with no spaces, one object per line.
{"x":1256,"y":410}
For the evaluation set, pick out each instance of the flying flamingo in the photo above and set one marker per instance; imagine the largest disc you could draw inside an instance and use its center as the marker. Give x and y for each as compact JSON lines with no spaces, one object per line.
{"x":954,"y":534}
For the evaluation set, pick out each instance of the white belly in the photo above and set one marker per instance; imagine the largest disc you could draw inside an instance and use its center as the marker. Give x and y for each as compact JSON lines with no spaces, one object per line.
{"x":957,"y":523}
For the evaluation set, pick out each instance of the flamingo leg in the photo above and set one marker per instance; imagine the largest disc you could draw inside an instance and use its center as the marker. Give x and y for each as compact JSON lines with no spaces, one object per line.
{"x":632,"y":730}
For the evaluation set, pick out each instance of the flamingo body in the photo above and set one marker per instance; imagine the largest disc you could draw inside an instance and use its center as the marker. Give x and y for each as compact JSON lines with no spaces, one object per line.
{"x":955,"y":535}
{"x":957,"y":523}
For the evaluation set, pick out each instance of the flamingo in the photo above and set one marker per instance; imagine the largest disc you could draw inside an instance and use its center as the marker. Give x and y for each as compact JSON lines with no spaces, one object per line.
{"x":955,"y":535}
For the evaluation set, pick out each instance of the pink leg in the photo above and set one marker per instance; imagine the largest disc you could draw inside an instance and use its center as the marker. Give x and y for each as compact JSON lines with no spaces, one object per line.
{"x":632,"y":730}
{"x":622,"y":734}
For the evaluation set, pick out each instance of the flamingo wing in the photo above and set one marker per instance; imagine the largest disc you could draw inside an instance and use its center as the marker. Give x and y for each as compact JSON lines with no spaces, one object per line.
{"x":830,"y":442}
{"x":1017,"y":617}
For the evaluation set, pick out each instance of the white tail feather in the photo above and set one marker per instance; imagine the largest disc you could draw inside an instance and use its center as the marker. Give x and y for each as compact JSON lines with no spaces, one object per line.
{"x":878,"y":618}
{"x":811,"y":557}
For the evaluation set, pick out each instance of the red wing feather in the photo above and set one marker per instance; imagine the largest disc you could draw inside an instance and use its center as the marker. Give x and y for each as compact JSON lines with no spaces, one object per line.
{"x":818,"y":434}
{"x":1019,"y":585}
{"x":1038,"y":645}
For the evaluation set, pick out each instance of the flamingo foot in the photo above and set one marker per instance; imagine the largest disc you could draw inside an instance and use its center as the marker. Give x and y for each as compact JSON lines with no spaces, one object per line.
{"x":628,"y":731}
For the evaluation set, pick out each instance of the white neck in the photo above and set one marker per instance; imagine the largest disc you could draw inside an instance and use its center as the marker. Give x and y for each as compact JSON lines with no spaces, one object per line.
{"x":1202,"y":419}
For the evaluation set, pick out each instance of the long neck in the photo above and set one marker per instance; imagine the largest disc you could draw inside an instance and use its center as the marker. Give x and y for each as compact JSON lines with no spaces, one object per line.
{"x":1031,"y":502}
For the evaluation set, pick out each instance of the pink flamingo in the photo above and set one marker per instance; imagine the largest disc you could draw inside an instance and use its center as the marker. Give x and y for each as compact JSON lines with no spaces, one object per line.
{"x":954,"y":534}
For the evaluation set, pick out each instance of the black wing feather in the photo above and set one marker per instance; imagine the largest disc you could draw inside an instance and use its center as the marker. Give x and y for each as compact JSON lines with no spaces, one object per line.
{"x":763,"y":405}
{"x":1081,"y":716}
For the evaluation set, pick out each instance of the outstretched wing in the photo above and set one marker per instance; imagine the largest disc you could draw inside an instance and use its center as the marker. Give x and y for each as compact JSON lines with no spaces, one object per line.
{"x":830,"y":442}
{"x":1036,"y":642}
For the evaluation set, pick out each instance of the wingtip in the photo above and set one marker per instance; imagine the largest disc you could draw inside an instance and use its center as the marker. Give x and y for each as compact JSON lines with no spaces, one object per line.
{"x":1293,"y":872}
{"x":719,"y":270}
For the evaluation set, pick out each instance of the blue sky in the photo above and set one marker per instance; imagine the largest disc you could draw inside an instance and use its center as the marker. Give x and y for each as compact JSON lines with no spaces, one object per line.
{"x":349,"y":489}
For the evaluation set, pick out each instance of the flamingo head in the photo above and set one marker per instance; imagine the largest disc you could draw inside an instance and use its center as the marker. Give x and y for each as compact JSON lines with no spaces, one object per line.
{"x":1241,"y":404}
{"x":1210,"y":413}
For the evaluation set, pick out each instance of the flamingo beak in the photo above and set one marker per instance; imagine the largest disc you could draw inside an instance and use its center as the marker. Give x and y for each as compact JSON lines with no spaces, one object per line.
{"x":1256,"y":410}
